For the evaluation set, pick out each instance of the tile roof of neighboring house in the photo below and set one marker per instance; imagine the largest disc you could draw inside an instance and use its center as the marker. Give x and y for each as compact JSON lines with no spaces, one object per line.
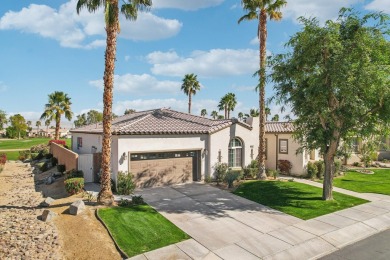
{"x":159,"y":121}
{"x":279,"y":127}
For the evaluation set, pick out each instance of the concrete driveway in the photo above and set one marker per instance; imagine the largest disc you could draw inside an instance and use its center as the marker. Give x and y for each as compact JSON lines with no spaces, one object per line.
{"x":222,"y":224}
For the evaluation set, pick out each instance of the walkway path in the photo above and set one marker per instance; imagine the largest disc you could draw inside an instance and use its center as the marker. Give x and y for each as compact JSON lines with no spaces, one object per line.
{"x":225,"y":226}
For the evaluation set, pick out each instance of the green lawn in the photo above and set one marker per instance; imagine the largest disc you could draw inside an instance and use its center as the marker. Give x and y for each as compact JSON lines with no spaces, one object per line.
{"x":140,"y":229}
{"x":379,"y":182}
{"x":23,"y":144}
{"x":293,"y":198}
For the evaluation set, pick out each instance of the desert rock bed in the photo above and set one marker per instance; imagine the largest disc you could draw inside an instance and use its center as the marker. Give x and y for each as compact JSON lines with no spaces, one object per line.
{"x":22,"y":234}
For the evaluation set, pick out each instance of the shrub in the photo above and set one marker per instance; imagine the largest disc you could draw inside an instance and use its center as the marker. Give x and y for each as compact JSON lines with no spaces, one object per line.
{"x":207,"y":179}
{"x":337,"y":167}
{"x":3,"y":158}
{"x":54,"y":161}
{"x":231,"y":176}
{"x":273,"y":173}
{"x":59,"y":142}
{"x":137,"y":200}
{"x":34,"y":156}
{"x":74,"y":185}
{"x":74,"y":174}
{"x":124,"y":202}
{"x":311,"y":170}
{"x":40,"y":148}
{"x":61,"y":168}
{"x":24,"y":155}
{"x":48,"y":156}
{"x":220,"y":170}
{"x":357,"y":164}
{"x":284,"y":166}
{"x":320,"y":169}
{"x":42,"y":166}
{"x":125,"y":185}
{"x":250,"y":173}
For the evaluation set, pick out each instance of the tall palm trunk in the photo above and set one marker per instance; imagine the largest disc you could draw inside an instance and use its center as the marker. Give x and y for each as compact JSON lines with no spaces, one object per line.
{"x":105,"y":195}
{"x":57,"y":133}
{"x":189,"y":103}
{"x":263,"y":38}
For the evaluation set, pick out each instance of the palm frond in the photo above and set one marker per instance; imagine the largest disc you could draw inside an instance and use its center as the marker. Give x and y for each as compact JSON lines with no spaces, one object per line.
{"x":91,"y":5}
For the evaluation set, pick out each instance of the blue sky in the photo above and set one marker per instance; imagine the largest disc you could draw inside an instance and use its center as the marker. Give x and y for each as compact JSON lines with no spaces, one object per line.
{"x":45,"y":47}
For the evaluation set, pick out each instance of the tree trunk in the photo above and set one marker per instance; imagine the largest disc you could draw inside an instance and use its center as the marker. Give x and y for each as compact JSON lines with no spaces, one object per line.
{"x":263,"y":38}
{"x":327,"y":191}
{"x":58,"y":120}
{"x":226,"y":116}
{"x":189,"y":103}
{"x":105,"y":195}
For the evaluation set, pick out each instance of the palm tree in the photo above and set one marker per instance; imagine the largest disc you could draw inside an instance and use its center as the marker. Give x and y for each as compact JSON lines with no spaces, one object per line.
{"x":240,"y":116}
{"x":38,"y":124}
{"x":111,"y":9}
{"x":190,"y":86}
{"x":267,"y":113}
{"x":59,"y":103}
{"x":29,"y":123}
{"x":203,"y":112}
{"x":253,"y":113}
{"x":47,"y":123}
{"x":231,"y":103}
{"x":260,"y":10}
{"x":214,"y":114}
{"x":223,"y":105}
{"x":275,"y":118}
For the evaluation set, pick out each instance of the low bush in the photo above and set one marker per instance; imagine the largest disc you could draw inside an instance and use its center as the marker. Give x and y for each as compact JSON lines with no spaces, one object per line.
{"x":125,"y":185}
{"x":40,"y":148}
{"x":34,"y":156}
{"x":284,"y":166}
{"x":274,"y":173}
{"x":231,"y":176}
{"x":357,"y":164}
{"x":208,"y":179}
{"x":137,"y":200}
{"x":3,"y":158}
{"x":42,"y":166}
{"x":24,"y":155}
{"x":74,"y":174}
{"x":61,"y":168}
{"x":311,"y":170}
{"x":337,"y":167}
{"x":54,"y":161}
{"x":251,"y":171}
{"x":220,"y":170}
{"x":320,"y":169}
{"x":48,"y":156}
{"x":74,"y":185}
{"x":124,"y":203}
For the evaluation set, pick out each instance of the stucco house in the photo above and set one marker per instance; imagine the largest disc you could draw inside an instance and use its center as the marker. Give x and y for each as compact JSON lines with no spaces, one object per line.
{"x":164,"y":146}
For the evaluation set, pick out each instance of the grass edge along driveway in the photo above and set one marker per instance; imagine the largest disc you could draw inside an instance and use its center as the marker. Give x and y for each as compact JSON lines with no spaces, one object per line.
{"x":297,"y":199}
{"x":139,"y":229}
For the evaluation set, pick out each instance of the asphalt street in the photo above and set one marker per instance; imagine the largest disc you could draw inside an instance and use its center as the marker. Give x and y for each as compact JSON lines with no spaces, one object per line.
{"x":376,"y":247}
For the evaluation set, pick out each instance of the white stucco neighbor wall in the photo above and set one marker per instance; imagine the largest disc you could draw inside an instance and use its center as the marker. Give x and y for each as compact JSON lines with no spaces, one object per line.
{"x":88,"y":141}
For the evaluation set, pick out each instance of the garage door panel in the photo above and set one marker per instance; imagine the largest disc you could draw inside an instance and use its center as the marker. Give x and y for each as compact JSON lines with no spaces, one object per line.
{"x":161,"y":171}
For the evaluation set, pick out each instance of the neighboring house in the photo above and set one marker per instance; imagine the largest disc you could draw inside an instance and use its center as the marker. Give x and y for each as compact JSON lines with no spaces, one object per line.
{"x":356,"y":156}
{"x":164,"y":146}
{"x":50,"y":133}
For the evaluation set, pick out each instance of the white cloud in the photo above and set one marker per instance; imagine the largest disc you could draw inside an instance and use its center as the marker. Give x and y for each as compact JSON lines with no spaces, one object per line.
{"x":379,"y":5}
{"x":188,"y":5}
{"x":215,"y":62}
{"x":3,"y":87}
{"x":322,"y":9}
{"x":73,"y":30}
{"x":140,"y":84}
{"x":254,"y":41}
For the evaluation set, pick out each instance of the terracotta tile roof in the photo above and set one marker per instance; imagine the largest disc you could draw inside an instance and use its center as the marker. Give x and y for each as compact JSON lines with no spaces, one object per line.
{"x":279,"y":127}
{"x":159,"y":121}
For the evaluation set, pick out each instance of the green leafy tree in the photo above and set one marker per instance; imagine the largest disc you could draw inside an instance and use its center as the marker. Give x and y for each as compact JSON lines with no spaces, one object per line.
{"x":58,"y":105}
{"x":260,"y":10}
{"x":3,"y":119}
{"x":18,"y":126}
{"x":94,"y":117}
{"x":190,"y":86}
{"x":275,"y":118}
{"x":203,"y":112}
{"x":80,"y":121}
{"x":214,"y":114}
{"x":335,"y":78}
{"x":111,"y":14}
{"x":240,"y":116}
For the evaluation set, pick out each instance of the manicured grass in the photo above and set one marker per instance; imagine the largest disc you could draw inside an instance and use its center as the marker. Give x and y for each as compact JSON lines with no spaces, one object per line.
{"x":293,"y":198}
{"x":23,"y":144}
{"x":379,"y":182}
{"x":140,"y":228}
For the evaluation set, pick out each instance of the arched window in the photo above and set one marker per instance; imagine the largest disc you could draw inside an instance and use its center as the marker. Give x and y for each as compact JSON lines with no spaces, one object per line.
{"x":235,"y":153}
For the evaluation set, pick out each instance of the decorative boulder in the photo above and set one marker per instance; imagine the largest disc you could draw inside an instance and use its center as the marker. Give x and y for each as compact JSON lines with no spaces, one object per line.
{"x":48,"y":215}
{"x":47,"y":202}
{"x":76,"y":207}
{"x":50,"y":180}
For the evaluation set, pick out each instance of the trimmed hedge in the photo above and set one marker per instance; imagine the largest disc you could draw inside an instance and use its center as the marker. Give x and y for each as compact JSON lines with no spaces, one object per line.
{"x":74,"y":185}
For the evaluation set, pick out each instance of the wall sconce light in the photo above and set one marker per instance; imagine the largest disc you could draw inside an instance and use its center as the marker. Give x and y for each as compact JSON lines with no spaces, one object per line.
{"x":251,"y":152}
{"x":124,"y":156}
{"x":205,"y":152}
{"x":219,"y":156}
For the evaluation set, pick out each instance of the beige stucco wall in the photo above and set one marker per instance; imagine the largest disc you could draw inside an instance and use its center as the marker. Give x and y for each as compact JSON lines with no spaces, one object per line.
{"x":64,"y":156}
{"x":89,"y":140}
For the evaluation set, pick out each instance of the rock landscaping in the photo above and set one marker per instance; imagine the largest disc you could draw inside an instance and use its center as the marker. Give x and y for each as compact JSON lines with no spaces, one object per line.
{"x":23,"y":235}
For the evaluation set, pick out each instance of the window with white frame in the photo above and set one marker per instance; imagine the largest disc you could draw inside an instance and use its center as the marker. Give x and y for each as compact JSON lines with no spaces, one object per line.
{"x":283,"y":146}
{"x":235,"y":153}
